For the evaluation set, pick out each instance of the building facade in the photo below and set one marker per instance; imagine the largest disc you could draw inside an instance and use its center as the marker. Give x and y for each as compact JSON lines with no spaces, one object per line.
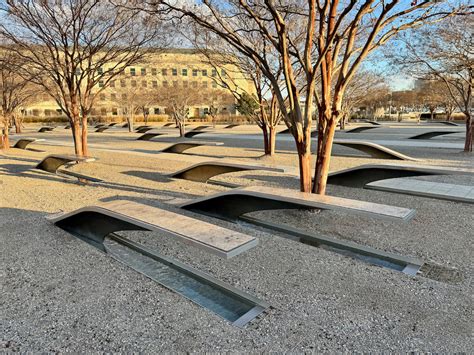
{"x":148,"y":86}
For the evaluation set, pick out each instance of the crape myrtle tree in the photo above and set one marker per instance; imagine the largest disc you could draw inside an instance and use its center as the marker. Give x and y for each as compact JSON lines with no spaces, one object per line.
{"x":133,"y":96}
{"x":329,"y":39}
{"x":74,"y":48}
{"x":445,"y":53}
{"x":179,"y":99}
{"x":257,"y":101}
{"x":15,"y":92}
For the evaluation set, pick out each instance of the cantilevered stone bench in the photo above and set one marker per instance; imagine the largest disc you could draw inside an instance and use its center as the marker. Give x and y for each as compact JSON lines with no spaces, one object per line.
{"x":447,"y":123}
{"x":92,"y":224}
{"x":231,"y":126}
{"x":202,"y":172}
{"x":361,"y":175}
{"x":441,"y":191}
{"x":360,"y":129}
{"x":53,"y":163}
{"x":168,"y":124}
{"x":373,"y":149}
{"x":144,"y":129}
{"x":429,"y":135}
{"x":230,"y":205}
{"x":112,"y":124}
{"x":200,"y":128}
{"x":24,"y":142}
{"x":374,"y":123}
{"x":182,"y":146}
{"x":102,"y":129}
{"x":99,"y":125}
{"x":191,"y":134}
{"x":149,"y":136}
{"x":45,"y":129}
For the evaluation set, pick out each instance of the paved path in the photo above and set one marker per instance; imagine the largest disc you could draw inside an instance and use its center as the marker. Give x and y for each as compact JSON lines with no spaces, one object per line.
{"x":442,"y":191}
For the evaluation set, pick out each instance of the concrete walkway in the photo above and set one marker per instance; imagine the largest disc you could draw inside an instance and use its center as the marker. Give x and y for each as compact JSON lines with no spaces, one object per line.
{"x":442,"y":191}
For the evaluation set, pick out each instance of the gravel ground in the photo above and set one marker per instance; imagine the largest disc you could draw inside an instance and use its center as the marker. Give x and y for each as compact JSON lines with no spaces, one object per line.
{"x":60,"y":294}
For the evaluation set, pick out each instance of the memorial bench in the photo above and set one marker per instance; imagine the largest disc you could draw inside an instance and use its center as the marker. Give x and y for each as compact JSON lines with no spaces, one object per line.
{"x":429,"y":135}
{"x":202,"y":172}
{"x":180,"y":147}
{"x":45,"y":129}
{"x":53,"y":163}
{"x":92,"y":224}
{"x":231,"y":205}
{"x":102,"y":129}
{"x":23,"y":143}
{"x":361,"y":175}
{"x":149,"y":136}
{"x":360,"y":129}
{"x":373,"y":149}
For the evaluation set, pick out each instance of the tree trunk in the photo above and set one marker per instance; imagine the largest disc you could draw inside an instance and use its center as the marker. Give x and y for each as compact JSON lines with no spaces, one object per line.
{"x":130,"y":122}
{"x":323,"y":159}
{"x":17,"y":124}
{"x":76,"y":135}
{"x":272,"y":141}
{"x":304,"y":162}
{"x":85,"y":148}
{"x":266,"y":142}
{"x":4,"y":139}
{"x":469,"y":132}
{"x":182,"y":130}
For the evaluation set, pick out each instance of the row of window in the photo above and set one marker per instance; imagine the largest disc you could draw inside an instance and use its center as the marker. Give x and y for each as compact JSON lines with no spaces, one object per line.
{"x":114,"y":97}
{"x":154,"y":84}
{"x":172,"y":71}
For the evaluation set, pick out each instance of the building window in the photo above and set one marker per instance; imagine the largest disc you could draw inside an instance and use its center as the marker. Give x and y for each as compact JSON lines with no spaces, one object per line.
{"x":214,"y":73}
{"x":184,"y":72}
{"x":134,"y":83}
{"x":206,"y":110}
{"x":223,"y":73}
{"x":204,"y":72}
{"x":102,"y":97}
{"x":175,"y":84}
{"x":143,"y":71}
{"x":144,"y":84}
{"x":113,"y":96}
{"x":153,"y":71}
{"x":112,"y":84}
{"x":101,"y":83}
{"x":185,"y":84}
{"x":123,"y":83}
{"x":204,"y":84}
{"x":132,"y":72}
{"x":195,"y":84}
{"x":154,"y":84}
{"x":164,"y":72}
{"x":165,"y":83}
{"x":156,"y":111}
{"x":103,"y":111}
{"x":100,"y":71}
{"x":114,"y":111}
{"x":214,"y":84}
{"x":195,"y":72}
{"x":124,"y":96}
{"x":174,"y":71}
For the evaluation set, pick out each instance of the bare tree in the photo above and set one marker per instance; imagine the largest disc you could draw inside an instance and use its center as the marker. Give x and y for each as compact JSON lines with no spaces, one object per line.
{"x":132,"y":97}
{"x":312,"y":38}
{"x":364,"y":86}
{"x":178,"y":100}
{"x":445,"y":53}
{"x":219,"y":55}
{"x":15,"y":92}
{"x":73,"y":49}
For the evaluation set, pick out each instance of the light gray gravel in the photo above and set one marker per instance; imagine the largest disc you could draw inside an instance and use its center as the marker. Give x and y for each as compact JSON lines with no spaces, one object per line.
{"x":60,"y":294}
